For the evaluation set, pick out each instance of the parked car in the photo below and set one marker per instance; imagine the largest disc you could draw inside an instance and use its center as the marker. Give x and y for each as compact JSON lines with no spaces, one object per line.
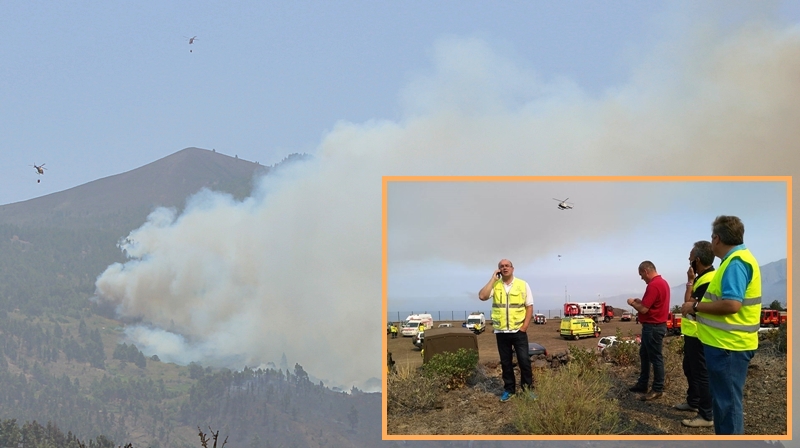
{"x":539,"y":319}
{"x":445,"y":325}
{"x":535,"y":349}
{"x":626,"y":316}
{"x":610,"y":341}
{"x":605,"y":341}
{"x":419,"y":339}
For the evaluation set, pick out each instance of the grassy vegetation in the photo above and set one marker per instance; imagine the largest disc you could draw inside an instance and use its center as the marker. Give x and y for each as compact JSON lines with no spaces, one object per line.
{"x":455,"y":368}
{"x":572,"y":399}
{"x":673,"y":359}
{"x":418,"y":389}
{"x":624,"y":354}
{"x":408,"y":391}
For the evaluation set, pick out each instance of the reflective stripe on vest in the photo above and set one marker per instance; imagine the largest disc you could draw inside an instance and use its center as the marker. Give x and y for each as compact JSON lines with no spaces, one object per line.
{"x":737,"y":331}
{"x":508,"y":310}
{"x":688,"y":324}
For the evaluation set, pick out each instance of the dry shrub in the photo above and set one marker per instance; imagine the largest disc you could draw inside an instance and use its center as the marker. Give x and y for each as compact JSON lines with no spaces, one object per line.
{"x":673,"y":358}
{"x":773,"y":342}
{"x":407,"y":391}
{"x":455,"y":367}
{"x":582,"y":359}
{"x":573,"y":399}
{"x":623,"y":353}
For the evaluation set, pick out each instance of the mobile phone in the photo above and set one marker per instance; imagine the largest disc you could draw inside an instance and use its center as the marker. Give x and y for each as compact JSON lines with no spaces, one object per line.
{"x":498,"y":275}
{"x":694,"y":265}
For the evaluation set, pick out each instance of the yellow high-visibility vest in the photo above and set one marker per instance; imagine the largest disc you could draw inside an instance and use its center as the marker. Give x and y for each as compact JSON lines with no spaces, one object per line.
{"x":688,"y":324}
{"x":737,"y":331}
{"x":508,"y":310}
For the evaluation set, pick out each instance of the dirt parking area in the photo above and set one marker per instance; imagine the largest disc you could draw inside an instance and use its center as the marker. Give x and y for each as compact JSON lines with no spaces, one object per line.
{"x":405,"y":354}
{"x":476,"y":410}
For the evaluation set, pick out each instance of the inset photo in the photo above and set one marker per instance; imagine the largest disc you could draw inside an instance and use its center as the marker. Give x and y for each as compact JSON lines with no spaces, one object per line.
{"x":587,"y":308}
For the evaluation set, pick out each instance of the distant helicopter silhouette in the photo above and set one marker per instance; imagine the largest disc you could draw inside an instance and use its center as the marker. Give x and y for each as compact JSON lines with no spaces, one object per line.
{"x":39,"y":169}
{"x":191,"y":41}
{"x":563,"y":204}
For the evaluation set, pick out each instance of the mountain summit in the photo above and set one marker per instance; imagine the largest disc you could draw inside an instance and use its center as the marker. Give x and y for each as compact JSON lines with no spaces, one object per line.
{"x":122,"y":201}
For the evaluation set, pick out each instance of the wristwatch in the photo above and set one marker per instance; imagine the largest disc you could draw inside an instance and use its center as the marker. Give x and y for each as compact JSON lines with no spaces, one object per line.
{"x":694,"y":307}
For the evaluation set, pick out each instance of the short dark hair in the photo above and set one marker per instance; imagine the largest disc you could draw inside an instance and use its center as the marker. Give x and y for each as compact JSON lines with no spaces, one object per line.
{"x":647,"y":265}
{"x":702,"y":250}
{"x":729,"y":229}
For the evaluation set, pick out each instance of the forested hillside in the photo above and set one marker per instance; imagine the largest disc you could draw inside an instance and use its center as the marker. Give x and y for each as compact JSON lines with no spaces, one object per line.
{"x":63,"y":359}
{"x":45,"y":268}
{"x":75,"y":374}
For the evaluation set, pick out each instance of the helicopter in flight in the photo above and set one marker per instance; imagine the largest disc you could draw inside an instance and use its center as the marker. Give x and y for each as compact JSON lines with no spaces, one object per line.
{"x":563,"y":204}
{"x":39,"y":169}
{"x":191,"y":41}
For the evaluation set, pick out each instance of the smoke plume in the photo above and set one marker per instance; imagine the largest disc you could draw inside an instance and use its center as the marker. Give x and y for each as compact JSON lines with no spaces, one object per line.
{"x":296,"y":268}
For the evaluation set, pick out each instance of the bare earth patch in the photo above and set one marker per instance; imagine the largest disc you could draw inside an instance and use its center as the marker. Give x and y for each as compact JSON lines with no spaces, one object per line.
{"x":476,"y":409}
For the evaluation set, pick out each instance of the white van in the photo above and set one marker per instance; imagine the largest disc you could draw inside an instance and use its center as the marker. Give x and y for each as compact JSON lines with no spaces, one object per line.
{"x":411,"y":324}
{"x":476,"y":318}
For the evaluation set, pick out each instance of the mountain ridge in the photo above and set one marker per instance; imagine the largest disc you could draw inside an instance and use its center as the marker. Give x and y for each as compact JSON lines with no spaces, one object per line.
{"x":126,"y":198}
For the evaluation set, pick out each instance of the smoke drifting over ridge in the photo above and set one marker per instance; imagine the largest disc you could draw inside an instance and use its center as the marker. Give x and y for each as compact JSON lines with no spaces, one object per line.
{"x":296,"y":268}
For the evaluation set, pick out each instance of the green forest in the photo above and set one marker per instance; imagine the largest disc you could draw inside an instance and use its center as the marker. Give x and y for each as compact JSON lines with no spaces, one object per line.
{"x":57,"y":370}
{"x":63,"y":365}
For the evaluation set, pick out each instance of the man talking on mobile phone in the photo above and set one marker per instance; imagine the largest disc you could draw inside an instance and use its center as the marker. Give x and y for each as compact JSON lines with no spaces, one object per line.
{"x":512,"y":308}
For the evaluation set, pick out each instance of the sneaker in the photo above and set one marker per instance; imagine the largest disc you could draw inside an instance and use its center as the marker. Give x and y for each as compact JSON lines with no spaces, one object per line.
{"x":697,"y":422}
{"x":652,"y":396}
{"x":506,"y":396}
{"x":685,"y":407}
{"x":638,"y":388}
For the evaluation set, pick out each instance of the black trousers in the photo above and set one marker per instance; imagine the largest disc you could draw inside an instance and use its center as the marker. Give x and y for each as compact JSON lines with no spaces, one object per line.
{"x":508,"y":343}
{"x":698,"y":395}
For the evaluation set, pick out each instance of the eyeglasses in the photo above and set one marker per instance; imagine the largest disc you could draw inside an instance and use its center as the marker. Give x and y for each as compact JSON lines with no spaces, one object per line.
{"x":505,"y":266}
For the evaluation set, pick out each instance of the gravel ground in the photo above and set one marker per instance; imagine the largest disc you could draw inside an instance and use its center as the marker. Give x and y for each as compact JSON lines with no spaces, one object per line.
{"x":475,"y":409}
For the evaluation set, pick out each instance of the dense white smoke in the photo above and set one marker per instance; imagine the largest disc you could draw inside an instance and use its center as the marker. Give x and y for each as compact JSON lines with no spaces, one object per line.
{"x":297,"y":267}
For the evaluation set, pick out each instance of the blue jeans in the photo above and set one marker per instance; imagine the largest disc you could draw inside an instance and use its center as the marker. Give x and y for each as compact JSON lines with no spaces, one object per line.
{"x":650,"y":353}
{"x":727,"y":371}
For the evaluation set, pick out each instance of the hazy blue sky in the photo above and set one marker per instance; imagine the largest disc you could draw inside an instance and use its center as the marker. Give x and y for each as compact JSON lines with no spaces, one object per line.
{"x":94,"y":89}
{"x":378,"y":88}
{"x":445,"y":239}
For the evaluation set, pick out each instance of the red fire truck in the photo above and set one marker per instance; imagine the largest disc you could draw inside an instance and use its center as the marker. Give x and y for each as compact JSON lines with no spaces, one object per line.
{"x":596,"y":310}
{"x":773,"y":318}
{"x":674,"y":323}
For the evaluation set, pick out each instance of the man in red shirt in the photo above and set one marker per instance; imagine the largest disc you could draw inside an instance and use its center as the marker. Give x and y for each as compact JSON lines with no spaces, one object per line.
{"x":653,"y":310}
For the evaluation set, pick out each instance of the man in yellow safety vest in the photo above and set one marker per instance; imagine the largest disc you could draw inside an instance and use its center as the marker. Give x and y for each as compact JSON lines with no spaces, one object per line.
{"x":728,"y":319}
{"x":512,"y":308}
{"x":698,"y":396}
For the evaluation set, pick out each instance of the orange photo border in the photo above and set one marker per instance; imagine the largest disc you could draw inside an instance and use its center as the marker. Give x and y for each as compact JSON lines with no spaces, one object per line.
{"x":384,"y":269}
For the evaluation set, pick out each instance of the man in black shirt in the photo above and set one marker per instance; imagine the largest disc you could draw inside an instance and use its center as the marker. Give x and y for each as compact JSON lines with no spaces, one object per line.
{"x":698,"y":395}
